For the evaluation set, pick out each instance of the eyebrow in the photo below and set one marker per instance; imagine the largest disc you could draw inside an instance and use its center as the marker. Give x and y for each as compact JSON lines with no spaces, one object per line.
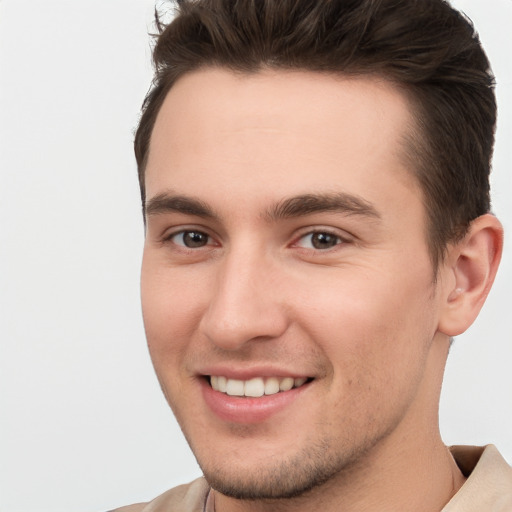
{"x":167,"y":203}
{"x":296,"y":206}
{"x":307,"y":204}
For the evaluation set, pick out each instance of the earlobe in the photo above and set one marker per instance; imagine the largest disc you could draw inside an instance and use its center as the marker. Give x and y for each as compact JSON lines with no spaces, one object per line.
{"x":473,"y":263}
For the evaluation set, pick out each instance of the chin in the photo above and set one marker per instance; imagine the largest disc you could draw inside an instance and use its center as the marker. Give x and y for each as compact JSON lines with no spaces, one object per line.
{"x":276,"y":478}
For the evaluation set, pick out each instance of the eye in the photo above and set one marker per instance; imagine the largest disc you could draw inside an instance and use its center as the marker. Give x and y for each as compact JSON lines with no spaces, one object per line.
{"x":190,"y":239}
{"x":319,"y":240}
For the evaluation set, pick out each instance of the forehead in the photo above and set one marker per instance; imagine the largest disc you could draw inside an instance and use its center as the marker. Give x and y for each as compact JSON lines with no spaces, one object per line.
{"x":286,"y":130}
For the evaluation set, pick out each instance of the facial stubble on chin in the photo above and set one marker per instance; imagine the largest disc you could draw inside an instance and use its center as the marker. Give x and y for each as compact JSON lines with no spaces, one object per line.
{"x":276,"y":479}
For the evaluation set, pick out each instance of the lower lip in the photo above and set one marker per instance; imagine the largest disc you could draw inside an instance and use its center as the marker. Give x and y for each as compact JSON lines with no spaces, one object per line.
{"x":237,"y":409}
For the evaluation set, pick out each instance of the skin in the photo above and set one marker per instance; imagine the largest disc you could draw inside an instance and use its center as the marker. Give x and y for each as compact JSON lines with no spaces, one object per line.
{"x":361,"y":315}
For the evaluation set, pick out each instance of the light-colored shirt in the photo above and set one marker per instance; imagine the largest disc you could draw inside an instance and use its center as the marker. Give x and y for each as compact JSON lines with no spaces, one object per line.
{"x":488,"y":487}
{"x":489,"y":481}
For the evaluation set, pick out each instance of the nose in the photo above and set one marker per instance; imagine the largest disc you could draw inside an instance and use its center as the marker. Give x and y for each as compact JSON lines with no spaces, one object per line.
{"x":246,"y":303}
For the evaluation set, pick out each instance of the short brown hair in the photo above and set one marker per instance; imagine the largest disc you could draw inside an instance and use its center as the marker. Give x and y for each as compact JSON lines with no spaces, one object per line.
{"x":425,"y":47}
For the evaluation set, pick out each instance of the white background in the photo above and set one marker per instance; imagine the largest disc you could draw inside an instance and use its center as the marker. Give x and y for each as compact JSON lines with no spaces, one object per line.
{"x":83,"y":425}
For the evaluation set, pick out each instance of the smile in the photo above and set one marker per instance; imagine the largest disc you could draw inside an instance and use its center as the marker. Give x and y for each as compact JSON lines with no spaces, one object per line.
{"x":255,"y":387}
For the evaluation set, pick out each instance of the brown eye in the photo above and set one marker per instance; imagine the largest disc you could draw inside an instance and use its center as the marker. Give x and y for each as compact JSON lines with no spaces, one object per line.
{"x":319,"y":240}
{"x":191,"y":239}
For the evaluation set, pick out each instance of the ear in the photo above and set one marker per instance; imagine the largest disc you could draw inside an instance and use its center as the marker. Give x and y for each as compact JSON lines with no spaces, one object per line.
{"x":468,"y":273}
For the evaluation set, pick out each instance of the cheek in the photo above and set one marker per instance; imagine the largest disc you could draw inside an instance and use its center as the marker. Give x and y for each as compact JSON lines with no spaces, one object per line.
{"x":372,"y":329}
{"x":171,"y":306}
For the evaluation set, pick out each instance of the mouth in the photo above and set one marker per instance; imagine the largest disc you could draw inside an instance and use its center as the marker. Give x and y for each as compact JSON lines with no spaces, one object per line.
{"x":257,"y":386}
{"x":253,"y":399}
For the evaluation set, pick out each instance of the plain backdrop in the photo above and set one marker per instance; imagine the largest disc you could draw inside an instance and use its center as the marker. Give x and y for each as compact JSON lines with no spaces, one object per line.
{"x":83,"y":424}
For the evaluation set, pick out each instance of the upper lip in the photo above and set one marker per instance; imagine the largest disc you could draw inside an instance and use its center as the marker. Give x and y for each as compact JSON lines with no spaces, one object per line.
{"x":240,"y":373}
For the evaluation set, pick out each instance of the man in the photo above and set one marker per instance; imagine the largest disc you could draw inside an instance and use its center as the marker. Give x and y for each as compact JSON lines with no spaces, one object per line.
{"x":314,"y":179}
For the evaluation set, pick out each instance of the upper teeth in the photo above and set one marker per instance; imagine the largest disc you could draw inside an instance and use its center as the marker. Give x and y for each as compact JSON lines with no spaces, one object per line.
{"x":255,"y":387}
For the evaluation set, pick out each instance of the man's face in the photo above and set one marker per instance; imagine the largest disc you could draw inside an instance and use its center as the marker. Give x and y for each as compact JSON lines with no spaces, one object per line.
{"x":286,"y":246}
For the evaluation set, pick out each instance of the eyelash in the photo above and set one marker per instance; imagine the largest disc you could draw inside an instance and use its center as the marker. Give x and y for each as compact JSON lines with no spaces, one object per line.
{"x":338,"y":239}
{"x":172,"y":236}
